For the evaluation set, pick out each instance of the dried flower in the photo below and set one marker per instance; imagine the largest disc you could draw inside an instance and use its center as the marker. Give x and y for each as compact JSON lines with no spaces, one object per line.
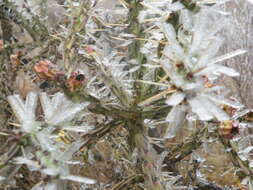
{"x":1,"y":45}
{"x":75,"y":81}
{"x":16,"y":59}
{"x":229,"y":109}
{"x":89,"y":49}
{"x":46,"y":70}
{"x":229,"y":128}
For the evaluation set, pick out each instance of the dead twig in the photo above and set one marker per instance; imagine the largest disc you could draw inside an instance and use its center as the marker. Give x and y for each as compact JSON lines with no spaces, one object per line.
{"x":125,"y":182}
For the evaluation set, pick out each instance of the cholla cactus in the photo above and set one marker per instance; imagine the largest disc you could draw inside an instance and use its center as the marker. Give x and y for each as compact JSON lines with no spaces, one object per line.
{"x":140,"y":64}
{"x":188,"y":57}
{"x":52,"y":156}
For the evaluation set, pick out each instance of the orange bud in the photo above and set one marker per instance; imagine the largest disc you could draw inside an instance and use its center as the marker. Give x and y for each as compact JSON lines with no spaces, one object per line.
{"x":207,"y":84}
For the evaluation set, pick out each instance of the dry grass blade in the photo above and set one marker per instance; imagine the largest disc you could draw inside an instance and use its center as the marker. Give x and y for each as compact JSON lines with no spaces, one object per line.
{"x":156,"y":97}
